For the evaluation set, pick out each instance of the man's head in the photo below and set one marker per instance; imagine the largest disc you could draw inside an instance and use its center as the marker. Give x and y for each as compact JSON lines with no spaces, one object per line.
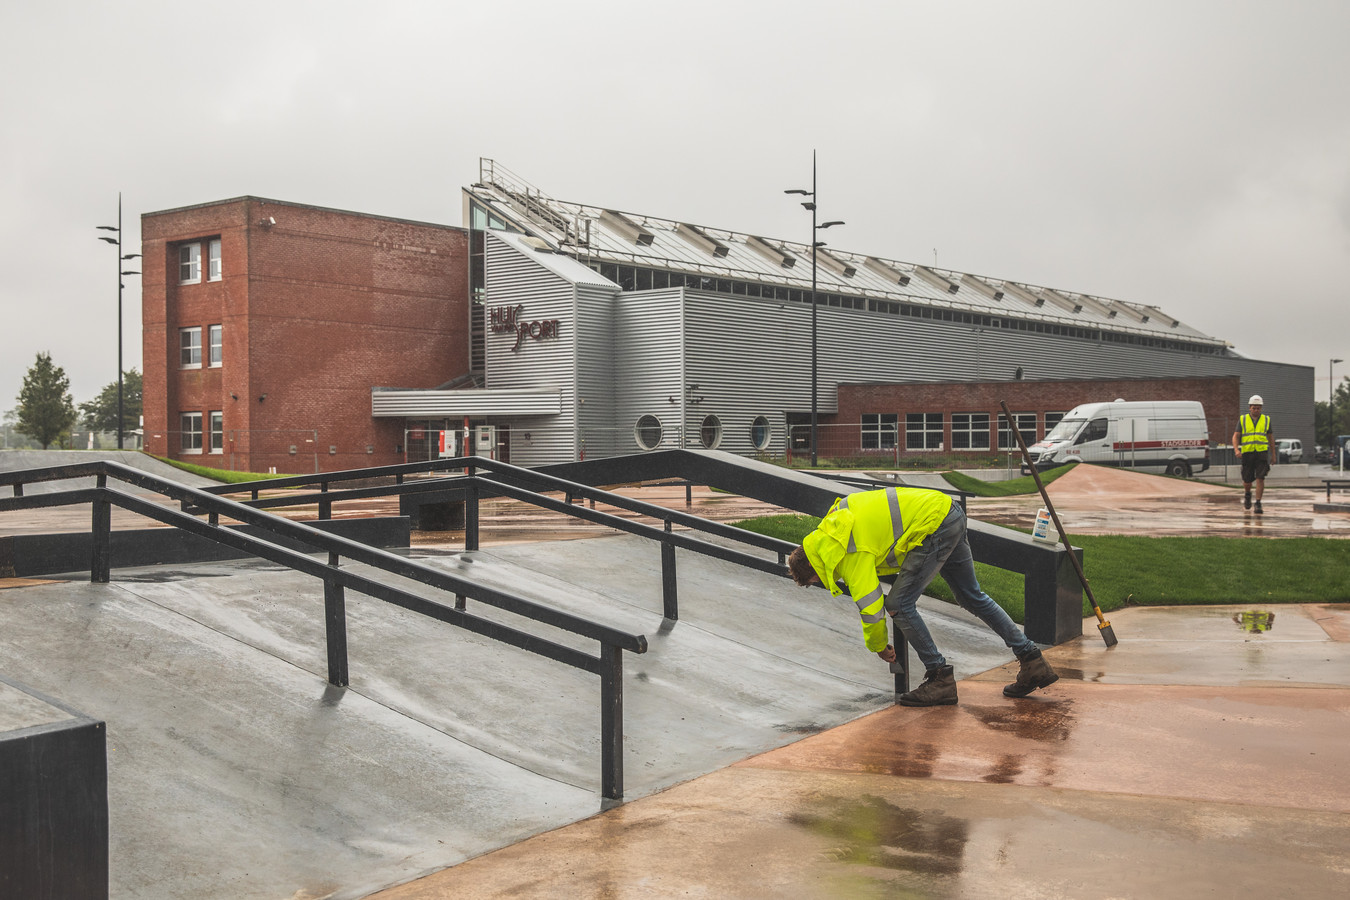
{"x":800,"y":568}
{"x":1254,"y":404}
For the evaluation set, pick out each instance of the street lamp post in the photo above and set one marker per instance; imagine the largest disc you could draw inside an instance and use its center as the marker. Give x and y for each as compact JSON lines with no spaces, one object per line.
{"x":811,"y":205}
{"x":117,"y":242}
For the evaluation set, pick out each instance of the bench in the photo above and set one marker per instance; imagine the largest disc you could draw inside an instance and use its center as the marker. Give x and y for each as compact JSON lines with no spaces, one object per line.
{"x":1335,"y":482}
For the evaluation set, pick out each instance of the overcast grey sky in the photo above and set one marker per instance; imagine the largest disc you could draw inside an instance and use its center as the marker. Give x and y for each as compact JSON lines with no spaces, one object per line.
{"x":1190,"y":155}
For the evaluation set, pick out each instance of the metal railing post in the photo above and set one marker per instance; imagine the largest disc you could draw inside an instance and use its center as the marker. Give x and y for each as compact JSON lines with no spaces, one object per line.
{"x":471,"y":513}
{"x":335,"y":622}
{"x":669,"y":590}
{"x":611,"y":722}
{"x":100,"y":556}
{"x":901,"y":665}
{"x":325,"y":505}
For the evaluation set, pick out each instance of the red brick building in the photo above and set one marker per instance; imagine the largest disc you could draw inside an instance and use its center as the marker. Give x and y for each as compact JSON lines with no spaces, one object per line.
{"x":965,"y":417}
{"x":266,"y":324}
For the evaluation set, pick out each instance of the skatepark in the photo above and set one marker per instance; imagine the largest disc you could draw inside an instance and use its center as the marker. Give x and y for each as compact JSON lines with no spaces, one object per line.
{"x":762,"y":752}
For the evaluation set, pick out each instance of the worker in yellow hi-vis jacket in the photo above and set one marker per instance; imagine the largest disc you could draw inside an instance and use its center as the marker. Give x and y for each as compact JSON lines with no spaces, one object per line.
{"x":914,"y":534}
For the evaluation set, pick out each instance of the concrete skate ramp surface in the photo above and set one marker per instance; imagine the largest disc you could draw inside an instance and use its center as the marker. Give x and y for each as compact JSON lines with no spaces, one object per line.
{"x":16,"y":460}
{"x":235,"y":770}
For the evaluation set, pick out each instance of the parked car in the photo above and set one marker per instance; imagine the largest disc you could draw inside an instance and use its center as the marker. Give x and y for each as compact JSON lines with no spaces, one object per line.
{"x":1322,"y":454}
{"x":1289,"y":450}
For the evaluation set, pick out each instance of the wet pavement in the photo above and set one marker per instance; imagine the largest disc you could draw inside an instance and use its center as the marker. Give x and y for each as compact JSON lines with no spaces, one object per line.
{"x":1204,"y":755}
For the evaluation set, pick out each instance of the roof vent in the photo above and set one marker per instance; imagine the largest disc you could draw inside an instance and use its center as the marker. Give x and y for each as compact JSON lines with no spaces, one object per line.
{"x":980,"y":286}
{"x":835,"y":264}
{"x":937,"y":279}
{"x":776,"y":255}
{"x":538,"y":244}
{"x":887,"y":271}
{"x":694,"y":235}
{"x":626,"y":227}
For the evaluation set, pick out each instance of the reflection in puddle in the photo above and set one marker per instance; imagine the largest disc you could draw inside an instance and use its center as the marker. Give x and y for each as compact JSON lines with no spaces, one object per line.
{"x":872,"y":832}
{"x":1255,"y":621}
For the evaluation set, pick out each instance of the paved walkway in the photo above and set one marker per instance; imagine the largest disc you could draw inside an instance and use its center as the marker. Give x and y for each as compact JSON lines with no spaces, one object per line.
{"x":1203,"y":756}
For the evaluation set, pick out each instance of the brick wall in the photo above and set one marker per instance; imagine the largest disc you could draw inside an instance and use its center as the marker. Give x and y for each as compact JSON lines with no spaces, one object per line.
{"x":317,"y":309}
{"x":1219,"y":395}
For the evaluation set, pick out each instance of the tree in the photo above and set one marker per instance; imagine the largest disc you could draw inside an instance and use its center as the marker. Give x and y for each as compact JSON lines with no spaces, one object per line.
{"x":1327,"y":429}
{"x":11,"y":437}
{"x":100,"y":414}
{"x":46,"y":409}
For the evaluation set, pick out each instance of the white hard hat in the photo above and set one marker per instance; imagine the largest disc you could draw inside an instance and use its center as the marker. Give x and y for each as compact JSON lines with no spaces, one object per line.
{"x":1256,"y":400}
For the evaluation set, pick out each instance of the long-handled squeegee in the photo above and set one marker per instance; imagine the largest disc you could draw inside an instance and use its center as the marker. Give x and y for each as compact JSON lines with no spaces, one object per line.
{"x":1108,"y":634}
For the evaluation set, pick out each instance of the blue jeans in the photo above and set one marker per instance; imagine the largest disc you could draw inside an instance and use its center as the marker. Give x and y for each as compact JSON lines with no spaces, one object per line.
{"x":947,"y":551}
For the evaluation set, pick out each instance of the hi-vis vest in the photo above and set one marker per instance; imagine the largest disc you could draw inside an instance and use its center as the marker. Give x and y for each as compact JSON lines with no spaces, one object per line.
{"x":1255,"y":435}
{"x":869,"y":534}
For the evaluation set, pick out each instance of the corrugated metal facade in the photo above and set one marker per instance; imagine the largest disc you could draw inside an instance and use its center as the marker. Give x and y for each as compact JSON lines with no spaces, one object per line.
{"x":649,"y":366}
{"x":682,"y":356}
{"x":532,"y":292}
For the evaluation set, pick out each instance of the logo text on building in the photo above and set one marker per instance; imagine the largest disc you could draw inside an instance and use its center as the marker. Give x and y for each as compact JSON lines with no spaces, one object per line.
{"x":512,"y":319}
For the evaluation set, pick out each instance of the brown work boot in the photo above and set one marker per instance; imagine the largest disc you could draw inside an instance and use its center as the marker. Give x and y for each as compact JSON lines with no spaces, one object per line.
{"x":1035,"y":673}
{"x":938,"y":689}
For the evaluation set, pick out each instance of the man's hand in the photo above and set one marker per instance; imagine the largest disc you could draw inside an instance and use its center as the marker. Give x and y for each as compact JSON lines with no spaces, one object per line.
{"x":887,"y":655}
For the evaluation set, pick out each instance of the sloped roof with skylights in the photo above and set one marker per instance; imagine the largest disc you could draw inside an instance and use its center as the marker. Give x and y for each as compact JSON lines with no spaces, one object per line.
{"x":594,"y":235}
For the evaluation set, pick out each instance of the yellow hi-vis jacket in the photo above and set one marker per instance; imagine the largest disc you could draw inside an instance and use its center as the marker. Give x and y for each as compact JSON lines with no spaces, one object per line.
{"x":1255,"y":434}
{"x":869,"y":534}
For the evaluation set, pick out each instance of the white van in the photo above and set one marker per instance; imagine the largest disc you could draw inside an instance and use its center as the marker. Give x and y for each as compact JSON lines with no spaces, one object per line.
{"x":1163,"y":436}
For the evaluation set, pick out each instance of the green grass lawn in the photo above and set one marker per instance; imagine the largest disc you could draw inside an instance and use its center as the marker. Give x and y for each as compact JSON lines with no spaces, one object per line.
{"x":225,"y":476}
{"x":1163,"y":571}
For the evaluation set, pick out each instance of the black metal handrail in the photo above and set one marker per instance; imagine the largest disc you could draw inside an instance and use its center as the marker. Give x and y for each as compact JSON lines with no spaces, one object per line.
{"x":505,"y":480}
{"x":608,"y":665}
{"x":472,"y":483}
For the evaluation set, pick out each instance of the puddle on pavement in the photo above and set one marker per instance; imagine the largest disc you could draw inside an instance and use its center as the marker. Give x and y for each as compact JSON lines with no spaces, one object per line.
{"x":1255,"y":621}
{"x":1044,"y":721}
{"x":870,"y":831}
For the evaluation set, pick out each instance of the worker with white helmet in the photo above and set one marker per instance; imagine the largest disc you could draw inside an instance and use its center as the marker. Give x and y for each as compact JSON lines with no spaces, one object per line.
{"x":1254,"y":445}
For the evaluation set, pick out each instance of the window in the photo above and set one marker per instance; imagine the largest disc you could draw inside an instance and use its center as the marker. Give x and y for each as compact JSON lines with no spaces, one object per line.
{"x":190,"y":348}
{"x":648,"y":432}
{"x":1095,"y":431}
{"x":1026,"y":424}
{"x":215,"y":341}
{"x":217,"y":431}
{"x":190,"y":424}
{"x":1052,"y":419}
{"x":880,"y":430}
{"x":759,"y":432}
{"x":923,"y":431}
{"x":970,"y":431}
{"x":190,"y":264}
{"x":711,"y":432}
{"x":213,"y":260}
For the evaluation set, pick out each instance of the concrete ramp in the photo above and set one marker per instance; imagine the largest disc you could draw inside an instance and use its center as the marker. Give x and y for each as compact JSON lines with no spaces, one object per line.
{"x":235,"y":770}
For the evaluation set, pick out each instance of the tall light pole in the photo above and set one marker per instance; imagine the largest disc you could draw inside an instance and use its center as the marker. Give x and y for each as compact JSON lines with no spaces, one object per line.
{"x":811,"y":205}
{"x":117,"y":242}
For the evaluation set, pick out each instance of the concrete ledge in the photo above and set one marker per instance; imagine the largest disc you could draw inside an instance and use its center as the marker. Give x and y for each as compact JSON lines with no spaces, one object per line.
{"x":53,"y":798}
{"x":25,"y":555}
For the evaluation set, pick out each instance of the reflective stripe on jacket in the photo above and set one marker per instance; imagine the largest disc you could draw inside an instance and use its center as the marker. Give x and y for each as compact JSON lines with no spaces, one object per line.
{"x":869,"y":534}
{"x":1255,"y":435}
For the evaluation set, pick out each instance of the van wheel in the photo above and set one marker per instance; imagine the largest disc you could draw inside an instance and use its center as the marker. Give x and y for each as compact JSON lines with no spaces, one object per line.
{"x":1179,"y":468}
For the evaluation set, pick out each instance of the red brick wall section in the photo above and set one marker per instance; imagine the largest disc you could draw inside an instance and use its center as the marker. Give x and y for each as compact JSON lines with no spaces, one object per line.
{"x":317,"y":309}
{"x":1219,"y":395}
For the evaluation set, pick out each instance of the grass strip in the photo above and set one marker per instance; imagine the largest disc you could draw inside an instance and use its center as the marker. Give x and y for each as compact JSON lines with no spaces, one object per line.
{"x":224,"y":476}
{"x":1023,"y":484}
